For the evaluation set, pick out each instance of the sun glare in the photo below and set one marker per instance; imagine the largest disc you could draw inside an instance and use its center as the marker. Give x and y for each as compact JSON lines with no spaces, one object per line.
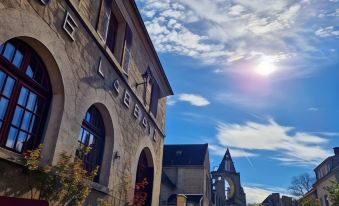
{"x":266,"y":67}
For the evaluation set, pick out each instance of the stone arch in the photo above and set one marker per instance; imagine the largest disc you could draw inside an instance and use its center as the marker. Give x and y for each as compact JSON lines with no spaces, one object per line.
{"x":36,"y":32}
{"x":145,"y":170}
{"x":231,"y":186}
{"x":56,"y":109}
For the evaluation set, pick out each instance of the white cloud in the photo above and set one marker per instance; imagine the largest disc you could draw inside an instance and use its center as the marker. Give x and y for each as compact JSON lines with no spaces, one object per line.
{"x":220,"y":151}
{"x":289,"y":147}
{"x":313,"y":109}
{"x":171,"y":101}
{"x":193,"y":99}
{"x":327,"y":32}
{"x":223,"y":32}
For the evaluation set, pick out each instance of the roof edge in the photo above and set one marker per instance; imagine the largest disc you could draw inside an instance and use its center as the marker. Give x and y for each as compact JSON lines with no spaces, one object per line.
{"x":135,"y":7}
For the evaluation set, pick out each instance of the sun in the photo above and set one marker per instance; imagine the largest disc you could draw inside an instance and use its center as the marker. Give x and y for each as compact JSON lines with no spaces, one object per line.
{"x":266,"y":67}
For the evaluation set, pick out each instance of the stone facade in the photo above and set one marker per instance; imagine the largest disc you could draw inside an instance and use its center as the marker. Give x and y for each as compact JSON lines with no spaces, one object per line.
{"x":84,"y":72}
{"x":186,"y":176}
{"x":326,"y":173}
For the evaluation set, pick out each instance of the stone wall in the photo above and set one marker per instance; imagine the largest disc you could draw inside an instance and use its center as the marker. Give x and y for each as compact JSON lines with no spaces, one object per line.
{"x":77,"y":85}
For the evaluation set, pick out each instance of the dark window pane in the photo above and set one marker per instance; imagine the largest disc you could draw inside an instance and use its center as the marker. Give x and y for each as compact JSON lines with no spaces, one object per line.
{"x":88,"y":117}
{"x":26,"y":120}
{"x":9,"y":51}
{"x":80,"y":134}
{"x":154,"y":99}
{"x":31,"y":101}
{"x":32,"y":124}
{"x":11,"y":137}
{"x":17,"y":116}
{"x":91,"y":140}
{"x":1,"y":47}
{"x":29,"y":71}
{"x":112,"y":32}
{"x":3,"y":107}
{"x":23,"y":96}
{"x":8,"y":87}
{"x":18,"y":58}
{"x":20,"y":142}
{"x":2,"y":79}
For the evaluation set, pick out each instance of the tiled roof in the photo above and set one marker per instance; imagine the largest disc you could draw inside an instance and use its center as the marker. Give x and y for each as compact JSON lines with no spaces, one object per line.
{"x":184,"y":155}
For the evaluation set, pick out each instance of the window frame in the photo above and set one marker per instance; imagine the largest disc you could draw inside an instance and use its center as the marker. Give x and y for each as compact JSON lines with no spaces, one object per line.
{"x":128,"y":42}
{"x":42,"y":90}
{"x":99,"y":137}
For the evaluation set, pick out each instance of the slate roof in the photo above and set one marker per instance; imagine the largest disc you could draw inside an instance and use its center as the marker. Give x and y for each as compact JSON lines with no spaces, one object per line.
{"x":184,"y":155}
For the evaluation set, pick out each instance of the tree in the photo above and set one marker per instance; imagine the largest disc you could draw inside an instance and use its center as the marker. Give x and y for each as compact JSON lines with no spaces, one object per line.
{"x":333,"y":191}
{"x":66,"y":183}
{"x":301,"y":184}
{"x":310,"y":202}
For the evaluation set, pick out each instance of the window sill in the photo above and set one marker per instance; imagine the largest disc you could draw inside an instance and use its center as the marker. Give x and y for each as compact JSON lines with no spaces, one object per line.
{"x":11,"y":156}
{"x":100,"y":188}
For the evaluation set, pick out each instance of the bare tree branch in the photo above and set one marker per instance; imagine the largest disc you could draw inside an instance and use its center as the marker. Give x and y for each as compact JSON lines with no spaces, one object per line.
{"x":301,"y":184}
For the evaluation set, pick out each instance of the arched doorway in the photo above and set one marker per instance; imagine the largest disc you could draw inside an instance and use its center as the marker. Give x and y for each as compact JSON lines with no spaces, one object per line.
{"x":25,"y":96}
{"x":144,"y":180}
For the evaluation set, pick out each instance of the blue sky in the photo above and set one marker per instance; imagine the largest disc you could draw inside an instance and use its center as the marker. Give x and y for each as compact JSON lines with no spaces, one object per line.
{"x":259,"y":77}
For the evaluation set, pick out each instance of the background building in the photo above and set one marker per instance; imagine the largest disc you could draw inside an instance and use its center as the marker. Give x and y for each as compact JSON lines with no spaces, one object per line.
{"x":326,"y":173}
{"x":81,"y":72}
{"x":186,"y":176}
{"x":274,"y":199}
{"x":226,"y":184}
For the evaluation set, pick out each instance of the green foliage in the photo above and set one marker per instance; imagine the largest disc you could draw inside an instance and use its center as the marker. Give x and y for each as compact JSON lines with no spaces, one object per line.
{"x":310,"y":202}
{"x":254,"y":204}
{"x":102,"y":202}
{"x":66,"y":183}
{"x":333,"y":191}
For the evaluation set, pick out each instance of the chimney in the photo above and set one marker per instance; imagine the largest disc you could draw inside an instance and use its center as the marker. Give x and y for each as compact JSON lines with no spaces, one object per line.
{"x":336,"y":150}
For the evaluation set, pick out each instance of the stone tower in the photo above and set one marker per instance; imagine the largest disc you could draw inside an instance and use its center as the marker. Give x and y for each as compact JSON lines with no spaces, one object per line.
{"x":231,"y":194}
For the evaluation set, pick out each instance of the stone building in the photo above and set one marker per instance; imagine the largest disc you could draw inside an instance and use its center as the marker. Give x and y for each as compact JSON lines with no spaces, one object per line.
{"x":326,"y":172}
{"x":226,"y":184}
{"x":274,"y":199}
{"x":186,"y":176}
{"x":81,"y":73}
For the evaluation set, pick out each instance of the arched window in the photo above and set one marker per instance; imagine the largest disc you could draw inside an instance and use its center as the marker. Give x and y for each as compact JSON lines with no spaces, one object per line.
{"x":92,"y":134}
{"x":24,"y":96}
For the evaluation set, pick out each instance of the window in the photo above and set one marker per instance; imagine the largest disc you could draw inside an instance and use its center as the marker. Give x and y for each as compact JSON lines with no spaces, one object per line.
{"x":154,"y":98}
{"x":92,"y":134}
{"x":320,"y":173}
{"x":108,"y":24}
{"x":326,"y":200}
{"x":104,"y":18}
{"x":112,"y":32}
{"x":328,"y":167}
{"x":127,"y":49}
{"x":24,"y":96}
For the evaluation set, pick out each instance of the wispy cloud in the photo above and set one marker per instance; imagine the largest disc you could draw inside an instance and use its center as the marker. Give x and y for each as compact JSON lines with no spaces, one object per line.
{"x":290,"y":147}
{"x":313,"y":109}
{"x":193,"y":99}
{"x":220,"y":151}
{"x":226,"y":32}
{"x":171,"y":101}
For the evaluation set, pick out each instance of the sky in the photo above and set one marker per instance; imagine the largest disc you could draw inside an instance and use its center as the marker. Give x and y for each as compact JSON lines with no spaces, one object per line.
{"x":259,"y":77}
